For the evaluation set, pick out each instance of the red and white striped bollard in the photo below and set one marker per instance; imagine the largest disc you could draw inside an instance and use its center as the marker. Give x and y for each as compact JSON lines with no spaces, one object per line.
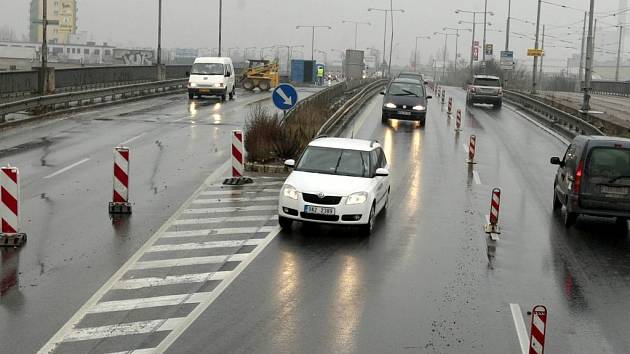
{"x":539,"y":328}
{"x":443,"y":95}
{"x":120,"y":200}
{"x":458,"y":121}
{"x":10,"y":234}
{"x":495,"y":203}
{"x":238,"y":154}
{"x":450,"y":105}
{"x":472,"y":145}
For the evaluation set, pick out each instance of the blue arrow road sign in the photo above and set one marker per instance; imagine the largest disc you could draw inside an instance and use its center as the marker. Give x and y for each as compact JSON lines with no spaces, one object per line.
{"x":285,"y":96}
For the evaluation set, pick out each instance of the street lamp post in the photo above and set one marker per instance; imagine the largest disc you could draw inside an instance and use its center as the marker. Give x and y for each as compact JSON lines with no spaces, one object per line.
{"x":415,"y":52}
{"x":446,"y":34}
{"x":386,"y":11}
{"x":474,"y":23}
{"x":456,"y":40}
{"x":159,"y":46}
{"x":220,"y":23}
{"x":536,"y":47}
{"x":578,"y":84}
{"x":313,"y":36}
{"x":507,"y":26}
{"x":619,"y":52}
{"x":588,"y":72}
{"x":356,"y":29}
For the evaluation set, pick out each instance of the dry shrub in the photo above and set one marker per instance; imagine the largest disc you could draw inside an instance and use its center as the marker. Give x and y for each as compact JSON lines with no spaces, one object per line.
{"x":262,"y":129}
{"x":299,"y":129}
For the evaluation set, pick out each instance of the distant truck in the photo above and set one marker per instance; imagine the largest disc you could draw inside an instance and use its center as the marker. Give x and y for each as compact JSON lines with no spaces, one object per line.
{"x":354,"y":65}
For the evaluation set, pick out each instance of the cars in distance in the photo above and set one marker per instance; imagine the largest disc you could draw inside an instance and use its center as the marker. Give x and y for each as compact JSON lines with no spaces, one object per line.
{"x":212,"y":76}
{"x":411,"y":75}
{"x":405,"y":99}
{"x":593,"y":178}
{"x":485,"y":89}
{"x":336,"y":181}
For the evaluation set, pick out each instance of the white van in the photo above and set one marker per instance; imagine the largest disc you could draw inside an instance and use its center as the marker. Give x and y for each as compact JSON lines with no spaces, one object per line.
{"x":212,"y":76}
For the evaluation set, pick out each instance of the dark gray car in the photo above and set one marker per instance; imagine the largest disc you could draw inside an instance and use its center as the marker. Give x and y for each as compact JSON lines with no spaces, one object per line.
{"x":593,"y":178}
{"x":405,"y":99}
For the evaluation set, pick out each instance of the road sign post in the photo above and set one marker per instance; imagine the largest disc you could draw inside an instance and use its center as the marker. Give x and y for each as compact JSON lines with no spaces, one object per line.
{"x":284,"y":97}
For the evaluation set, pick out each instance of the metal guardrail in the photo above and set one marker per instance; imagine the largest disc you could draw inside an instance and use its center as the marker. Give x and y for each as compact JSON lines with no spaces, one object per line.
{"x":331,"y":126}
{"x":50,"y":103}
{"x":614,"y":88}
{"x":569,"y":123}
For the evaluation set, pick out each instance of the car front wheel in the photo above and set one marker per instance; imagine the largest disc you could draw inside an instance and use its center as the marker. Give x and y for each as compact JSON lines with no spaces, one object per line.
{"x":384,"y":118}
{"x":285,"y":223}
{"x":367,"y":229}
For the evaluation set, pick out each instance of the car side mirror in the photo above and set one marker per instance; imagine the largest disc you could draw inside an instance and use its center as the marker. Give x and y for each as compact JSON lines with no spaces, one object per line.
{"x":289,"y":163}
{"x":382,"y":93}
{"x":382,"y":172}
{"x":187,"y":73}
{"x":556,"y":161}
{"x":429,"y":97}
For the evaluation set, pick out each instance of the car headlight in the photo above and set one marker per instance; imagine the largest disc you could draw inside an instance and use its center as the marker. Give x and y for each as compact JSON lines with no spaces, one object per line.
{"x":290,"y":192}
{"x":218,"y":85}
{"x":357,"y":198}
{"x":192,"y":84}
{"x":389,"y":105}
{"x":419,"y":108}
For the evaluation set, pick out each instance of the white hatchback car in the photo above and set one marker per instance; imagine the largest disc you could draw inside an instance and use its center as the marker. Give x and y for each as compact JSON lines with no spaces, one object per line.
{"x":336,"y":181}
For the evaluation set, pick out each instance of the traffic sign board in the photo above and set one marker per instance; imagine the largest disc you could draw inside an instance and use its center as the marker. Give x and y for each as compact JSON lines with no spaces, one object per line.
{"x":532,"y":52}
{"x":507,"y":60}
{"x":284,"y":96}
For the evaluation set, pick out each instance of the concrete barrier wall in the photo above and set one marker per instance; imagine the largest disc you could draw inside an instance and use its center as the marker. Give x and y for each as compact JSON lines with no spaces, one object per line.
{"x":94,"y":76}
{"x":18,"y":82}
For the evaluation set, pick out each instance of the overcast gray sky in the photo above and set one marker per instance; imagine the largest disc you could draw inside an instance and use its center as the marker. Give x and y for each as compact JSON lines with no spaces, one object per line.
{"x":248,"y":23}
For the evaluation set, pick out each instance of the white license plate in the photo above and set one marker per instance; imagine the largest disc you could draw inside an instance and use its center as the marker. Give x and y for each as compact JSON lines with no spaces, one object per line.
{"x":615,"y":190}
{"x":319,"y":210}
{"x":404,"y":113}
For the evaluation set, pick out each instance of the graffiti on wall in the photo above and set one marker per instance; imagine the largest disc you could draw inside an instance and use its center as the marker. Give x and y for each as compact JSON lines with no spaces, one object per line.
{"x":133,"y":56}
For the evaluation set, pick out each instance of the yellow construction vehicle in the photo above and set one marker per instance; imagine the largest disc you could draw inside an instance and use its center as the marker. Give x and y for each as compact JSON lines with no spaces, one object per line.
{"x":262,"y":74}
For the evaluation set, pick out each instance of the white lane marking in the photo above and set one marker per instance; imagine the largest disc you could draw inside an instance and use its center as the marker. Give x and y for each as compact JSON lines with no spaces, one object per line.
{"x":476,"y":177}
{"x":203,"y":245}
{"x":123,"y":329}
{"x":204,"y":221}
{"x":240,"y":192}
{"x":67,"y":168}
{"x":148,"y":302}
{"x":465,"y":148}
{"x":172,"y":336}
{"x":521,"y":331}
{"x":133,"y":139}
{"x":139,"y":283}
{"x":180,"y":262}
{"x":58,"y":337}
{"x":230,"y":209}
{"x":222,"y":231}
{"x":230,"y":200}
{"x":137,"y":351}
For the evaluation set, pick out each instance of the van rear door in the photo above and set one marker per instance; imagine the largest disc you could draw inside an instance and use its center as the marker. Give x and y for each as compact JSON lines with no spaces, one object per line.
{"x":607,"y":179}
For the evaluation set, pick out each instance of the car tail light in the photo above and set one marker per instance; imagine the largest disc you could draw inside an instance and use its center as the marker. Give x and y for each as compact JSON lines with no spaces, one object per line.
{"x":472,"y":89}
{"x":578,"y":177}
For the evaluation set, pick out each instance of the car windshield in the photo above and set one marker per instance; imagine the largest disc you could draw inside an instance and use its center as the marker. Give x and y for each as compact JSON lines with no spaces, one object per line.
{"x":335,"y":162}
{"x":207,"y":69}
{"x":410,"y":76}
{"x":487,"y":82}
{"x":610,"y":163}
{"x":406,"y":89}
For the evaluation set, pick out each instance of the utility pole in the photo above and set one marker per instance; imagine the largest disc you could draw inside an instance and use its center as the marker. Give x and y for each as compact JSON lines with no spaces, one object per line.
{"x":542,"y":58}
{"x":159,"y":47}
{"x":474,"y":23}
{"x":391,"y":41}
{"x":619,"y":52}
{"x":588,"y":73}
{"x":536,"y":47}
{"x":485,"y":23}
{"x":220,"y":23}
{"x":385,"y":11}
{"x":313,"y":36}
{"x":507,"y":27}
{"x":45,"y":42}
{"x":580,"y":75}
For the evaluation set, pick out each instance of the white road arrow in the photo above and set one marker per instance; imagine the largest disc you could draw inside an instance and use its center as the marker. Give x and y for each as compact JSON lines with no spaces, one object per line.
{"x":287,"y":100}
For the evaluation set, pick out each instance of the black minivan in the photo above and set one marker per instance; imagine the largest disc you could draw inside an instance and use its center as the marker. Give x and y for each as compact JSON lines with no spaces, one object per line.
{"x":405,"y":99}
{"x":593,"y":178}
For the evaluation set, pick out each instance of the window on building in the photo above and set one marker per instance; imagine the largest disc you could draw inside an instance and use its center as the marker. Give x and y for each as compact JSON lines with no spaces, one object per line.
{"x":108,"y":52}
{"x":86,"y":51}
{"x":74,"y":50}
{"x":97,"y":52}
{"x":67,"y":50}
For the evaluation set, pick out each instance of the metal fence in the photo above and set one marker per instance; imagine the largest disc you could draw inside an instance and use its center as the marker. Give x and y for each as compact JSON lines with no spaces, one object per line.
{"x":615,"y":88}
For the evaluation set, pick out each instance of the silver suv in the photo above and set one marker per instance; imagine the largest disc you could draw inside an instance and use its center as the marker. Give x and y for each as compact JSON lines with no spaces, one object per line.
{"x":485,"y":89}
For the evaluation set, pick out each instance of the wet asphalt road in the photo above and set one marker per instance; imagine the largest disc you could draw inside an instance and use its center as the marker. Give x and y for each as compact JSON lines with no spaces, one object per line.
{"x":66,"y":183}
{"x":423,"y":283}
